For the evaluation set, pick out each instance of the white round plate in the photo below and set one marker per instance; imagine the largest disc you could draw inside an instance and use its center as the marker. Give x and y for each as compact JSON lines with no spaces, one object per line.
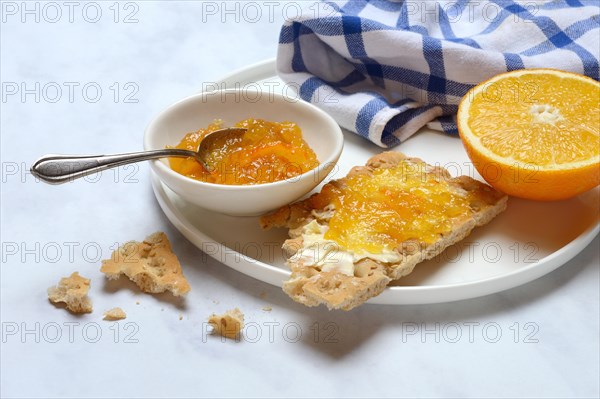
{"x":527,"y":241}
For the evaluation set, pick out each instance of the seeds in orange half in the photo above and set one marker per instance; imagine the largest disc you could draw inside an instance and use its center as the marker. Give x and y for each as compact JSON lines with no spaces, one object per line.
{"x":534,"y":133}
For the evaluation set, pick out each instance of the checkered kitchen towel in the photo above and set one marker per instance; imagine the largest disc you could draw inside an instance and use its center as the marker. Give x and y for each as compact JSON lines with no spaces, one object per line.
{"x":384,"y":69}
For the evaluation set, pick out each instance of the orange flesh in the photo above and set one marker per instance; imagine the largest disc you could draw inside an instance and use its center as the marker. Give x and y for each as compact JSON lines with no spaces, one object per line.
{"x":268,"y":152}
{"x":539,"y":122}
{"x":380,"y":211}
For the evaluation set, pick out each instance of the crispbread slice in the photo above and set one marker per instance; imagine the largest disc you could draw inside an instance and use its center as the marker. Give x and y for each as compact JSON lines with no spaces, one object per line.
{"x":311,"y":286}
{"x":151,"y":264}
{"x":72,"y":291}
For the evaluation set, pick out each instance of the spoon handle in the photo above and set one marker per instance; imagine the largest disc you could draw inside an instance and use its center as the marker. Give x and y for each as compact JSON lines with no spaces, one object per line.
{"x":57,"y":169}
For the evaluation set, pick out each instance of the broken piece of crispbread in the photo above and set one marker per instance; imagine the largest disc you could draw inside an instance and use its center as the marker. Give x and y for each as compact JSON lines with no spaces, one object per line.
{"x":72,"y":291}
{"x":151,"y":264}
{"x":228,"y":324}
{"x":373,"y":226}
{"x":115,"y":314}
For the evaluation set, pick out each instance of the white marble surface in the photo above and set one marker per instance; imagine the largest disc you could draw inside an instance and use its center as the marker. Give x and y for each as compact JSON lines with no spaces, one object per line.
{"x":403,"y":351}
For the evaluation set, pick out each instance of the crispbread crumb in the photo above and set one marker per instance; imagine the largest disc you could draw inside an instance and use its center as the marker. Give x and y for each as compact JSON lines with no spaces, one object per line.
{"x":72,"y":291}
{"x":150,"y":264}
{"x":229,"y":324}
{"x":267,"y":308}
{"x":180,"y":316}
{"x":137,"y":302}
{"x":115,"y":314}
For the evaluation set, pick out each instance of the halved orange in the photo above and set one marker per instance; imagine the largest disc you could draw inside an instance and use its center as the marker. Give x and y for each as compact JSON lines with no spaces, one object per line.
{"x":534,"y":133}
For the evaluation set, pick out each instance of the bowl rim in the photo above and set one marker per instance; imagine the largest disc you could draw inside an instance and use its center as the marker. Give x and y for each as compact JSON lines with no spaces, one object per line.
{"x":332,"y":159}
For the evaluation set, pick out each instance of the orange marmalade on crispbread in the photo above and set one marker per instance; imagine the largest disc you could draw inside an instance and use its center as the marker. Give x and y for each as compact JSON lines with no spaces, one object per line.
{"x":380,"y":210}
{"x":267,"y":152}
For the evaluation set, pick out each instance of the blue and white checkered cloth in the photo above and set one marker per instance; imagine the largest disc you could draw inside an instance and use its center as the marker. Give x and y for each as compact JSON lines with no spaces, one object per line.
{"x":384,"y":69}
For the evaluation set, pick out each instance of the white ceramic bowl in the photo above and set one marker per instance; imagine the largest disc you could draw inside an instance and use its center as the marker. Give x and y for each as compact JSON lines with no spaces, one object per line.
{"x":319,"y":130}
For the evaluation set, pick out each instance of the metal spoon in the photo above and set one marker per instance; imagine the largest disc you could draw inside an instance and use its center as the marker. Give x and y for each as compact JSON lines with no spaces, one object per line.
{"x":57,"y":169}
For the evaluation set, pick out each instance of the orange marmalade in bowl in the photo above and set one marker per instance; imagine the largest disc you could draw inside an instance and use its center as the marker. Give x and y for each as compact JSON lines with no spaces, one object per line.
{"x":267,"y":152}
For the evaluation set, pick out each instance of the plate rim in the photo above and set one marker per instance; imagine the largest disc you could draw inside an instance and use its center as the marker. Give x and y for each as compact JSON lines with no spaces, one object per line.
{"x":396,"y":295}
